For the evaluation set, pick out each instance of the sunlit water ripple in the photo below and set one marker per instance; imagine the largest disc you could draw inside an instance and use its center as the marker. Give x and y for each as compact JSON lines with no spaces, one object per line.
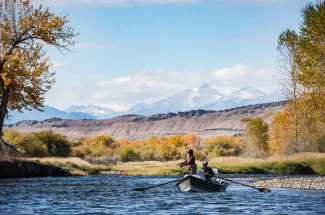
{"x":112,"y":195}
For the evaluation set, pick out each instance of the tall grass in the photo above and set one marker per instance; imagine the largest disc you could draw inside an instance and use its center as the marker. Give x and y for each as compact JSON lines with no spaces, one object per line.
{"x":303,"y":163}
{"x":76,"y":166}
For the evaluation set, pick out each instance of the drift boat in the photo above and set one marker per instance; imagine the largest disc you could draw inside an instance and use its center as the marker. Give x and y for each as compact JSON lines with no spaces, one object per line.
{"x":194,"y":183}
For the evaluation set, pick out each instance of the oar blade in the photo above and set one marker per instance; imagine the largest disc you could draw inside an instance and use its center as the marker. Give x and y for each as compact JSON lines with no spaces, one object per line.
{"x":140,"y":189}
{"x":264,"y":190}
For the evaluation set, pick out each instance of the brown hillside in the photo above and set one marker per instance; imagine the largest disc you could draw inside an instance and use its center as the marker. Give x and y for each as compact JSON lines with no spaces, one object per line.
{"x":203,"y":123}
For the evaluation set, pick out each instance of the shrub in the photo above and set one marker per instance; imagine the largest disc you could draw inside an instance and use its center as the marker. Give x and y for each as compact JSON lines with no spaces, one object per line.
{"x":200,"y":155}
{"x":223,"y":146}
{"x":289,"y":167}
{"x":129,"y":154}
{"x":11,"y":136}
{"x":57,"y":144}
{"x":167,"y":151}
{"x":148,"y":154}
{"x":104,"y":141}
{"x":32,"y":146}
{"x":103,"y":160}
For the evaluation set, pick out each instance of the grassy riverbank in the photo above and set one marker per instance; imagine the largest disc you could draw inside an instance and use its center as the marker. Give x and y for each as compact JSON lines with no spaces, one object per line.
{"x":306,"y":163}
{"x":75,"y":166}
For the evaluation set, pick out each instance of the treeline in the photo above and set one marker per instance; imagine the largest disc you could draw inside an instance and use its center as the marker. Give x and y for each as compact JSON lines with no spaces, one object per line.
{"x":301,"y":126}
{"x":261,"y":140}
{"x":104,"y":149}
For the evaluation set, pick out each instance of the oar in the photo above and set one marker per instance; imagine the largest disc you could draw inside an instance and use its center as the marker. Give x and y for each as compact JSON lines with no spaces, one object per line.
{"x":261,"y":189}
{"x":147,"y":188}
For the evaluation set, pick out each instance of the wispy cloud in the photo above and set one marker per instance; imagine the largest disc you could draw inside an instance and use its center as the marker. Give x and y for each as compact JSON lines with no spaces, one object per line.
{"x":151,"y":85}
{"x":57,"y":64}
{"x":238,"y":70}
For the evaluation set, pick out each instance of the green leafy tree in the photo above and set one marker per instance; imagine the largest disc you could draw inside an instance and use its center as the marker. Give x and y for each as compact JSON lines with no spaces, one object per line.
{"x":257,"y":136}
{"x":32,"y":146}
{"x":56,"y":144}
{"x":312,"y":61}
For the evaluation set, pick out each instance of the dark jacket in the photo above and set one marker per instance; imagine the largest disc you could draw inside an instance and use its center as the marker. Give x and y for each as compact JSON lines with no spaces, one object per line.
{"x":208,"y":173}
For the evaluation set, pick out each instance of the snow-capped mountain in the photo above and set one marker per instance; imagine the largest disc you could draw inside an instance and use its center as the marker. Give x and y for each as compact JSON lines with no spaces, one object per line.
{"x":278,"y":95}
{"x":138,"y":107}
{"x":94,"y":110}
{"x":242,"y":94}
{"x":245,"y":96}
{"x":205,"y":97}
{"x":185,"y":100}
{"x":49,"y":112}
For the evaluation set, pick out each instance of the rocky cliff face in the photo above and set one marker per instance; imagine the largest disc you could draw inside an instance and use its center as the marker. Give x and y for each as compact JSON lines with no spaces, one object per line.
{"x":24,"y":169}
{"x":203,"y":123}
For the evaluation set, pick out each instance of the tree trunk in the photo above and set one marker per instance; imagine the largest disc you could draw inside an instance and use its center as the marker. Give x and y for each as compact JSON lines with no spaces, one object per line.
{"x":3,"y":108}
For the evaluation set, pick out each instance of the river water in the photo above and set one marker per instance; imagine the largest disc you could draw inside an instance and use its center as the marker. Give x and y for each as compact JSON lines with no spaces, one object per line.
{"x":112,"y":195}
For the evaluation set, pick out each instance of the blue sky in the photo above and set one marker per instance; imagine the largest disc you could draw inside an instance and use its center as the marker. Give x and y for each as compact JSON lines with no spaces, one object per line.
{"x":133,"y":51}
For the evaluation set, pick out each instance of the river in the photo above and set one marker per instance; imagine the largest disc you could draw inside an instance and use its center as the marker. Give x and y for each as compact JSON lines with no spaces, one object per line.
{"x":112,"y":195}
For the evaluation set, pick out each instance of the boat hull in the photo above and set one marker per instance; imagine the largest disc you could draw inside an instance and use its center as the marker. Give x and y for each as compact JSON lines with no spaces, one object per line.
{"x":194,"y":184}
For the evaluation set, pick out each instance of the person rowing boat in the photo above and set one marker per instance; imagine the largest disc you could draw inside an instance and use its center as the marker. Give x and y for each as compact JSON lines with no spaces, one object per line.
{"x":208,"y":171}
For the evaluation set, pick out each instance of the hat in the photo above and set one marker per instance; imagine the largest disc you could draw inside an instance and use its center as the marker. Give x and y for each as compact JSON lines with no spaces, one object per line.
{"x":205,"y":162}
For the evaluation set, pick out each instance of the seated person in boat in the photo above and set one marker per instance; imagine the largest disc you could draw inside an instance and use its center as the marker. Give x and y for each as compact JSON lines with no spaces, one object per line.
{"x":190,"y":162}
{"x":208,"y":171}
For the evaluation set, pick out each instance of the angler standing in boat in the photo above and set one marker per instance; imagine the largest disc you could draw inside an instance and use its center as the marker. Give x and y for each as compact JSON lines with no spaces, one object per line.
{"x":208,"y":171}
{"x":190,"y":162}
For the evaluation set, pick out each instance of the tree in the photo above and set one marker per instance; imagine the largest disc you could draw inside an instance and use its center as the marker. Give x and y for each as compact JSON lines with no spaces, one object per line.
{"x":312,"y":62}
{"x":312,"y":66}
{"x":24,"y":66}
{"x":281,"y":133}
{"x":302,"y":58}
{"x":289,"y":49}
{"x":167,"y":151}
{"x":193,"y":141}
{"x":257,"y":136}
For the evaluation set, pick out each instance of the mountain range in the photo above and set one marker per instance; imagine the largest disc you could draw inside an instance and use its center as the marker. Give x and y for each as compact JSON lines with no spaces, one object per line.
{"x":206,"y":124}
{"x":205,"y":97}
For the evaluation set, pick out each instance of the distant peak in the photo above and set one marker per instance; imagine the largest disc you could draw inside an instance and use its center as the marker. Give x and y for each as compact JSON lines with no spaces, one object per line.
{"x":247,"y":89}
{"x":206,"y":85}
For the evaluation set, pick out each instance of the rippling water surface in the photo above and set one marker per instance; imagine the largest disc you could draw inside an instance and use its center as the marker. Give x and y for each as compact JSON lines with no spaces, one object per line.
{"x":112,"y":195}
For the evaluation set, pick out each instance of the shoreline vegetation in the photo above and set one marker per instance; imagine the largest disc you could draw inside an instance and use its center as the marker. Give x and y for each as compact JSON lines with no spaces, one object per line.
{"x":299,"y":164}
{"x":103,"y":155}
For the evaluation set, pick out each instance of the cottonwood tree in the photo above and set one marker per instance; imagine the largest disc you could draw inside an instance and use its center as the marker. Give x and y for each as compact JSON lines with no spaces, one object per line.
{"x":25,"y":76}
{"x":289,"y":50}
{"x":302,"y":58}
{"x":312,"y":63}
{"x":312,"y":66}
